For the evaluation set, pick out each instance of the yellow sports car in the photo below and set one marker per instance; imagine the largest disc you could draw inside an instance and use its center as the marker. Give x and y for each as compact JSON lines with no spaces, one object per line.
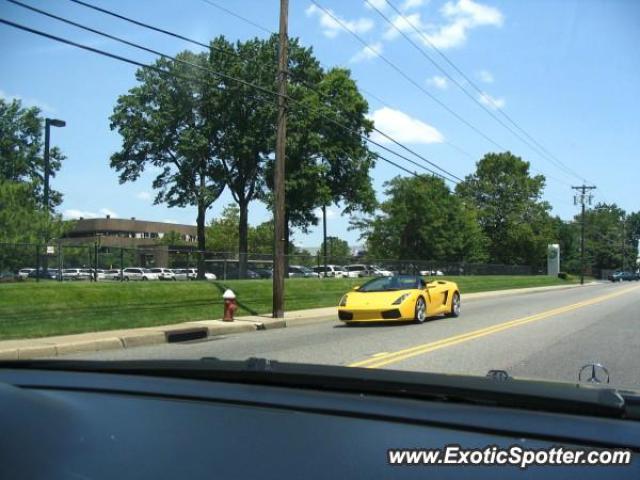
{"x":401,"y":297}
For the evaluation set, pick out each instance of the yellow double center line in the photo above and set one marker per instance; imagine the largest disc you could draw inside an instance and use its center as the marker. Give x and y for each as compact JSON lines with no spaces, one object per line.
{"x":380,"y":360}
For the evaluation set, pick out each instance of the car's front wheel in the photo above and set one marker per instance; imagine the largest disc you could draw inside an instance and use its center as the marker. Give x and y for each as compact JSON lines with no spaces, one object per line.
{"x":421,"y":310}
{"x":455,"y":305}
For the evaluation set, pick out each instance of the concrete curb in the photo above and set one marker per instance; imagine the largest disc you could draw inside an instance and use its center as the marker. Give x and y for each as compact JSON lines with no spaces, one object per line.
{"x":137,"y":337}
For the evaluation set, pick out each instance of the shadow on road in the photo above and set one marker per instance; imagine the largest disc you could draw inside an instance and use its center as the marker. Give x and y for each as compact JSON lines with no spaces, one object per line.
{"x":383,"y":324}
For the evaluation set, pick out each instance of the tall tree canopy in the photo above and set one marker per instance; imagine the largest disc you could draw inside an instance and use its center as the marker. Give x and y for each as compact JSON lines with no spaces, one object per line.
{"x":168,"y":123}
{"x":422,"y":219}
{"x":510,"y":210}
{"x":21,"y":150}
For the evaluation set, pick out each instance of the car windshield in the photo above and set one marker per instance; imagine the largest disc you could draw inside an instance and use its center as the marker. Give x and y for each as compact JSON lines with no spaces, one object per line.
{"x":486,"y":147}
{"x":385,"y":284}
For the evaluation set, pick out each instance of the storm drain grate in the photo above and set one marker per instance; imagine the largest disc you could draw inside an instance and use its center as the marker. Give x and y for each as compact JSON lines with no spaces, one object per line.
{"x":186,"y":335}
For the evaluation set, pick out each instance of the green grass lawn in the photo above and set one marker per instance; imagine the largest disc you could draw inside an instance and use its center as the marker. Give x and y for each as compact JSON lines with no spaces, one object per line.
{"x":33,"y":309}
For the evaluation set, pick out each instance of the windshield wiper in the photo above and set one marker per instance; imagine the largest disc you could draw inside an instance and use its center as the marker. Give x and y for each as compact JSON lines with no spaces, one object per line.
{"x":526,"y":394}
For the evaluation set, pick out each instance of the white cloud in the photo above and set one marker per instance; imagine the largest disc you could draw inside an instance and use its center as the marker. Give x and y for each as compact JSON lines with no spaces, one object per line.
{"x":28,"y":102}
{"x":73,"y":213}
{"x":143,"y":196}
{"x":462,"y":16}
{"x":409,"y":4}
{"x":367,"y":53}
{"x":475,"y":13}
{"x":403,"y":127}
{"x":491,"y":102}
{"x":404,"y":23}
{"x":485,"y":76}
{"x":438,"y":82}
{"x":331,"y":28}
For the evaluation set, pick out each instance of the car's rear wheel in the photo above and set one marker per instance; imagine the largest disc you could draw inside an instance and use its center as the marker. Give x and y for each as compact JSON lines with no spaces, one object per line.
{"x":455,"y":305}
{"x":421,"y":310}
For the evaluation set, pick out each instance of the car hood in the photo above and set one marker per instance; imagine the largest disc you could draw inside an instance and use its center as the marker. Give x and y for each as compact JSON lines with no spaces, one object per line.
{"x":376,"y":299}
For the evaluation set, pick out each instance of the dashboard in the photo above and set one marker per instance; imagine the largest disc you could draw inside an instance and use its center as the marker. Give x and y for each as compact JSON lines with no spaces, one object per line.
{"x":57,"y":424}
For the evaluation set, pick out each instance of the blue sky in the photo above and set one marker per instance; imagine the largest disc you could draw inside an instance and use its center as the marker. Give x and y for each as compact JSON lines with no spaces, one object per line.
{"x":568,"y":72}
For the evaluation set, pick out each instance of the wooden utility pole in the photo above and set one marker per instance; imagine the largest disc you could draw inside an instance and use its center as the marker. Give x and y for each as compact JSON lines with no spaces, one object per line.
{"x":582,"y":199}
{"x":279,"y":173}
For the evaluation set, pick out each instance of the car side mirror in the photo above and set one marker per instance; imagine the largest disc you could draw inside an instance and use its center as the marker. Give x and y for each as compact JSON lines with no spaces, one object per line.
{"x":357,"y":287}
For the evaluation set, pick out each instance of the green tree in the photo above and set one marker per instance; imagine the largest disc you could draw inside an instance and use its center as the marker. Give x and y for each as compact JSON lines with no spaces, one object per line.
{"x":261,"y":238}
{"x":247,"y":123}
{"x":23,"y":222}
{"x":510,"y":210}
{"x":567,"y":235}
{"x":632,"y":232}
{"x":21,"y":149}
{"x":222,"y":233}
{"x":336,"y":248}
{"x":422,"y":219}
{"x":172,"y":238}
{"x":326,"y":163}
{"x":169,"y":123}
{"x":604,"y":236}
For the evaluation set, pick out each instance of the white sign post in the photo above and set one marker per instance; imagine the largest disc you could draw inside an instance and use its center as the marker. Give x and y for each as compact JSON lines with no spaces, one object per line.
{"x":553,"y":259}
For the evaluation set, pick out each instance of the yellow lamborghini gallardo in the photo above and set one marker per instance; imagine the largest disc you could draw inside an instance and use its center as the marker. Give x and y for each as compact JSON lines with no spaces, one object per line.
{"x":402,"y":298}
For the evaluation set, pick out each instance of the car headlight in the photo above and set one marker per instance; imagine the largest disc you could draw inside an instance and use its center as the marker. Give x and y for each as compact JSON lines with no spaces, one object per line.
{"x":401,"y":299}
{"x":343,"y":301}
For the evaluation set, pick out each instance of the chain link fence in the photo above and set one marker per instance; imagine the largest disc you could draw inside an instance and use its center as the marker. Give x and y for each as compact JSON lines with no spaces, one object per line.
{"x":91,"y":261}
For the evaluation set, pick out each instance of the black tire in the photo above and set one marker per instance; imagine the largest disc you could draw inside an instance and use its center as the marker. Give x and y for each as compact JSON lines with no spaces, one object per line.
{"x":144,"y":279}
{"x":455,"y":305}
{"x":126,"y":279}
{"x":420,"y":310}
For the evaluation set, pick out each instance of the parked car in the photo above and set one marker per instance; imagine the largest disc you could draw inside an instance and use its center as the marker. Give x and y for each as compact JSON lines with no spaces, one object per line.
{"x":24,"y":272}
{"x":301,"y":271}
{"x":616,"y":276}
{"x":377,"y":271}
{"x":335,"y":271}
{"x":180,"y":273}
{"x":112,"y":274}
{"x":41,"y":274}
{"x":76,"y":274}
{"x":8,"y":277}
{"x":430,"y":273}
{"x":264,"y":272}
{"x":164,"y":273}
{"x":630,"y":276}
{"x":192,"y":274}
{"x":137,"y":273}
{"x":357,"y":270}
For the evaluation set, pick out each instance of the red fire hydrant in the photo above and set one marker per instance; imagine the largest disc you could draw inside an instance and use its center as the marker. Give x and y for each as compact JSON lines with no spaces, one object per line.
{"x":230,"y":305}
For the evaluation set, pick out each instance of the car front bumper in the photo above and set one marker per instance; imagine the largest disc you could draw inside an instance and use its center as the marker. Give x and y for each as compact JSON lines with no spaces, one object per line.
{"x":390,"y":314}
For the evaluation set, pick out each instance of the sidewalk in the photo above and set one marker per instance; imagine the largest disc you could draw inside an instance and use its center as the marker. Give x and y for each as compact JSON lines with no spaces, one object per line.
{"x":135,"y":337}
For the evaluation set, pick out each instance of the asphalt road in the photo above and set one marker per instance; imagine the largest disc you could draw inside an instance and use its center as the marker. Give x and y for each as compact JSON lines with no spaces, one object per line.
{"x":547,"y":335}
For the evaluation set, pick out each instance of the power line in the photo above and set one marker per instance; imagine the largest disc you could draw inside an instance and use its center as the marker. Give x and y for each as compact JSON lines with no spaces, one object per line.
{"x":363,"y":90}
{"x":408,"y":78}
{"x":537,"y":148}
{"x":160,"y":70}
{"x":195,"y":42}
{"x":233,"y":14}
{"x":372,"y":95}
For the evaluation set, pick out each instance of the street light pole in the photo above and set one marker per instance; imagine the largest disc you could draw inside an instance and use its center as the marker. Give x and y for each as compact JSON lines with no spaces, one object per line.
{"x":48,"y":122}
